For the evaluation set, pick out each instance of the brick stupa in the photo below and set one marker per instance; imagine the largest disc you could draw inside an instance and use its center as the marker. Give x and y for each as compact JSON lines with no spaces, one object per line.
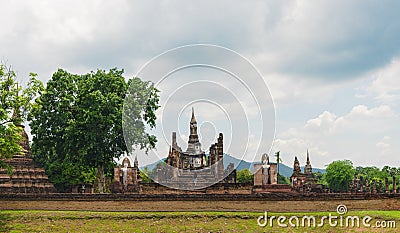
{"x":27,"y":176}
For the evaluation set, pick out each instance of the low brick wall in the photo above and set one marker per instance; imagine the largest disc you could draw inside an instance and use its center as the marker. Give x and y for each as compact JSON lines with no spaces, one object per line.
{"x":196,"y":197}
{"x":219,"y":188}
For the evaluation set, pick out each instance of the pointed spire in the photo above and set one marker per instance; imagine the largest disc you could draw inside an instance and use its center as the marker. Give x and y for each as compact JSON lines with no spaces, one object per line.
{"x":136,"y":163}
{"x":174,"y":144}
{"x":193,"y":120}
{"x":194,"y":146}
{"x":308,"y":168}
{"x":296,"y":165}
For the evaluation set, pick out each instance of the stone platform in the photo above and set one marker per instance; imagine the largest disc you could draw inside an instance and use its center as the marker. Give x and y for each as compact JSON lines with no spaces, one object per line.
{"x":27,"y":177}
{"x":272,"y":188}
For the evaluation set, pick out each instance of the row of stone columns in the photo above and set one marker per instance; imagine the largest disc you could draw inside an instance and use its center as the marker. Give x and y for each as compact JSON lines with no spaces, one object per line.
{"x":358,"y":185}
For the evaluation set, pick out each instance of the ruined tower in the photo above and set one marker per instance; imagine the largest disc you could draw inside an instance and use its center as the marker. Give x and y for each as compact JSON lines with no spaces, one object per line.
{"x":310,"y":179}
{"x":194,"y":146}
{"x":308,"y":168}
{"x":27,"y":176}
{"x":296,"y":166}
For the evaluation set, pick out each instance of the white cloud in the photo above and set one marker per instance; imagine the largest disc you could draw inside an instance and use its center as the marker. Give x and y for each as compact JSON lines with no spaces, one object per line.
{"x":351,"y":136}
{"x":384,"y":146}
{"x":319,"y":40}
{"x":307,"y":52}
{"x":385,"y":87}
{"x":292,"y":147}
{"x":287,"y":89}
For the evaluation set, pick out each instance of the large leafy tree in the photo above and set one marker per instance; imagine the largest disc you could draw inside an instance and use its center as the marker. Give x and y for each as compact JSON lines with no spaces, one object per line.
{"x":52,"y":123}
{"x":339,"y":175}
{"x":141,"y":100}
{"x":15,"y":103}
{"x":77,"y":126}
{"x":373,"y":173}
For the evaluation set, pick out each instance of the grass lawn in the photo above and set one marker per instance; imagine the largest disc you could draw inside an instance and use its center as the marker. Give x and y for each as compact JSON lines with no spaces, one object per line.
{"x":86,"y":221}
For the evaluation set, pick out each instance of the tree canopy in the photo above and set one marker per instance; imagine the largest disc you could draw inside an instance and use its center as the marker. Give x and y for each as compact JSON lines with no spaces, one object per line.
{"x":339,"y":175}
{"x":244,"y":176}
{"x":77,"y":125}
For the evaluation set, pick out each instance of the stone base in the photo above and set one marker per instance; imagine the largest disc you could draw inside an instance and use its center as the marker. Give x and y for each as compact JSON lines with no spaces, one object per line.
{"x":272,"y":188}
{"x":27,"y":177}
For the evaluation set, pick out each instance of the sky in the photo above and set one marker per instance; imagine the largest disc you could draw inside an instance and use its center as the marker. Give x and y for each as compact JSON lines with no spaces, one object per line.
{"x":331,"y":68}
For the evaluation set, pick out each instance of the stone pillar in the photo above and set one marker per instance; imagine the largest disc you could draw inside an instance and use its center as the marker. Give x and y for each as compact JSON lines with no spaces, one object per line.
{"x":394,"y":184}
{"x":373,"y":186}
{"x":220,"y":154}
{"x":273,"y":174}
{"x":130,"y":175}
{"x":265,"y":175}
{"x":124,"y":178}
{"x":117,"y":174}
{"x":350,"y":190}
{"x":258,"y":176}
{"x":134,"y":175}
{"x":361,"y":184}
{"x":381,"y":186}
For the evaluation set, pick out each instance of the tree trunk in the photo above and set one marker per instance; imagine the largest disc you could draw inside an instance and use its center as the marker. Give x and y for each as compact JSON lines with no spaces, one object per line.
{"x":101,"y":183}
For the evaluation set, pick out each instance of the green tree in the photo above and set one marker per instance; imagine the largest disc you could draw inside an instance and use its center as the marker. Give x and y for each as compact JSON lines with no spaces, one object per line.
{"x":77,"y":125}
{"x":141,"y":103}
{"x":283,"y":179}
{"x":53,"y":129}
{"x":145,"y":174}
{"x":372,"y":173}
{"x":319,"y":177}
{"x":15,"y":104}
{"x":244,"y":176}
{"x":339,"y":175}
{"x":97,"y":130}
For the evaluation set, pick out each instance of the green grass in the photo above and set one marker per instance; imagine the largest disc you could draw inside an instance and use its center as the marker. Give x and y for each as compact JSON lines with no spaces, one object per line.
{"x":88,"y":221}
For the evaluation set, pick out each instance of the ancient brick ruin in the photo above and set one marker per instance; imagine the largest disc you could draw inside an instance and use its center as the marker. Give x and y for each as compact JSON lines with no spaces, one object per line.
{"x":190,"y":169}
{"x":126,"y":177}
{"x":304,"y":182}
{"x":359,"y":185}
{"x":193,"y":168}
{"x":26,"y":176}
{"x":265,"y":172}
{"x":266,"y":177}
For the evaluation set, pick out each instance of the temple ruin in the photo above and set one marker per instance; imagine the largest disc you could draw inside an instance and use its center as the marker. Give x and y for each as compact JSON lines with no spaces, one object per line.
{"x":26,"y":176}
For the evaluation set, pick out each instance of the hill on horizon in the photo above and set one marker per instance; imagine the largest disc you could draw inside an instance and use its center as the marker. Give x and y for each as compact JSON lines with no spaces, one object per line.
{"x":284,"y":169}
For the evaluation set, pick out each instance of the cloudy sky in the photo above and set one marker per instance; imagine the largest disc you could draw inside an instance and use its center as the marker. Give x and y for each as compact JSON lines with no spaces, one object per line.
{"x":332,"y":67}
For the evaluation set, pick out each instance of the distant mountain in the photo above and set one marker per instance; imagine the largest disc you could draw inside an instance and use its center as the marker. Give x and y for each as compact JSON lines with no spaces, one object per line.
{"x":239,"y":164}
{"x":284,"y":170}
{"x":151,"y":166}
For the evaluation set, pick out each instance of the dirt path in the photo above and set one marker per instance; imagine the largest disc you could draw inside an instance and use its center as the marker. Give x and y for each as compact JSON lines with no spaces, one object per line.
{"x":186,"y":205}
